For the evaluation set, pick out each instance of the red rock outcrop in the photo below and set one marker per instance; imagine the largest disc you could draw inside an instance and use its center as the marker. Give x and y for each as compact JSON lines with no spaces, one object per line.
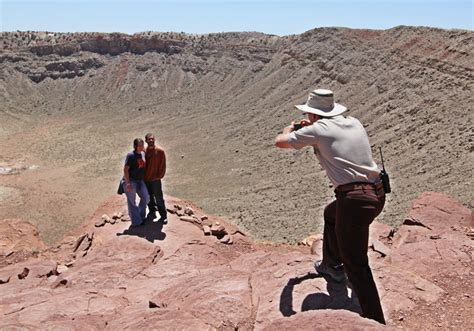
{"x":17,"y":235}
{"x":19,"y":240}
{"x":176,"y":277}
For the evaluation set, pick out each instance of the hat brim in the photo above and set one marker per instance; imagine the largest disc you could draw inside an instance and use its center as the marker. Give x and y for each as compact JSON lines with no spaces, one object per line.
{"x":337,"y":110}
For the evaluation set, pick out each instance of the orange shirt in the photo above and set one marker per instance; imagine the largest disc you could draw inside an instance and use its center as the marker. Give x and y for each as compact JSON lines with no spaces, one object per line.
{"x":155,"y":163}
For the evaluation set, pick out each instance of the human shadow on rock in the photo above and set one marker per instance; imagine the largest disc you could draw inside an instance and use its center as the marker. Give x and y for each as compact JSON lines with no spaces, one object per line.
{"x":337,"y":297}
{"x":150,"y":231}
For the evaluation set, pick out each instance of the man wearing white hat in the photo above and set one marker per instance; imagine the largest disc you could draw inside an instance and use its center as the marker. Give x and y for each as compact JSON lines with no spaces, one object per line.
{"x":343,"y":150}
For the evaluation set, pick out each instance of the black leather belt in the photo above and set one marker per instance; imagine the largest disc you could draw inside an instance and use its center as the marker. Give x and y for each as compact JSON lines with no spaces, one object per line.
{"x":359,"y":186}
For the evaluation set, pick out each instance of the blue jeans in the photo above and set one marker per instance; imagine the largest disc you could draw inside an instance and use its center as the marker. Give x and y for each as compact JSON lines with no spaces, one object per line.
{"x":137,"y":213}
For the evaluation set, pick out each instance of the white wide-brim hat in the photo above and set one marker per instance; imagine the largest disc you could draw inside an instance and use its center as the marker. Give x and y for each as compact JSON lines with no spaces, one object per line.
{"x":321,"y":102}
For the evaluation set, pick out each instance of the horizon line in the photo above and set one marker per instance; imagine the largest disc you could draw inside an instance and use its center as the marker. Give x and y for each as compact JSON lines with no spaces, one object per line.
{"x":242,"y":31}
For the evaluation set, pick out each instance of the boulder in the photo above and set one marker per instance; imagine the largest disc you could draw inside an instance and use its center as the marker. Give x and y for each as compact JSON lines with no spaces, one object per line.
{"x":106,"y":218}
{"x":4,"y":277}
{"x":18,"y":235}
{"x":440,"y":212}
{"x":218,"y":230}
{"x":83,"y":244}
{"x":436,"y":215}
{"x":60,"y":281}
{"x":189,"y":211}
{"x":100,"y":223}
{"x":227,"y":239}
{"x":61,"y":269}
{"x":317,"y":247}
{"x":191,"y":219}
{"x":28,"y":270}
{"x":308,"y":241}
{"x":379,"y":247}
{"x":207,"y":230}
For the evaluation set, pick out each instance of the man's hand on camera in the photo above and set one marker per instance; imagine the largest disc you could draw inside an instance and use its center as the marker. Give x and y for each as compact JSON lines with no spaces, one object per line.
{"x":282,"y":140}
{"x":291,"y":127}
{"x":304,"y":122}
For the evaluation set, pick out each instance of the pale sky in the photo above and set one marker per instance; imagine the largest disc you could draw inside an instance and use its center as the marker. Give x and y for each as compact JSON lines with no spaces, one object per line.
{"x":280,"y":17}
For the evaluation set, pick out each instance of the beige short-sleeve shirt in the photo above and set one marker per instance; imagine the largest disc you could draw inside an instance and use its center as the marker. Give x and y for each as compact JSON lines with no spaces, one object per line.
{"x":342,"y":148}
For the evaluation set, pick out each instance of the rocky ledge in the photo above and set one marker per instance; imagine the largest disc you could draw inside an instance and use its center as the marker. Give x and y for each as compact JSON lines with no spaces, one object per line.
{"x":201,"y":273}
{"x":42,"y":55}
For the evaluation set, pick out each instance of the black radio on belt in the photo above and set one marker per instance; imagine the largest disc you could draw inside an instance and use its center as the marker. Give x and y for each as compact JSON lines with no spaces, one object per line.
{"x":384,"y":176}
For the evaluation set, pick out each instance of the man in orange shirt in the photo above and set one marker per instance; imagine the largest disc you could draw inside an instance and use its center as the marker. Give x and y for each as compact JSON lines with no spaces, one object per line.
{"x":154,"y":172}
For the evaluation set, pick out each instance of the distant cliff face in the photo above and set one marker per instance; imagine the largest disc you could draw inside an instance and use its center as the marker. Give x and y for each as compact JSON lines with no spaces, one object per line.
{"x":216,"y":103}
{"x":49,"y":47}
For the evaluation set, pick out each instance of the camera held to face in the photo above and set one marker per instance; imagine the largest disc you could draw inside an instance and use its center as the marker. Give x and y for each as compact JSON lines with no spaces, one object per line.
{"x":299,"y":124}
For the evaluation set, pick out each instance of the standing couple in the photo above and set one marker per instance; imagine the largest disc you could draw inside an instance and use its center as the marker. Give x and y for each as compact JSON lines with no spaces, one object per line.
{"x":142,"y":174}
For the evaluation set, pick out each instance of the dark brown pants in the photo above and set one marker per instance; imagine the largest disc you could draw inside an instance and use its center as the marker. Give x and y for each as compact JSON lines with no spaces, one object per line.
{"x":346,"y":236}
{"x":156,"y":198}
